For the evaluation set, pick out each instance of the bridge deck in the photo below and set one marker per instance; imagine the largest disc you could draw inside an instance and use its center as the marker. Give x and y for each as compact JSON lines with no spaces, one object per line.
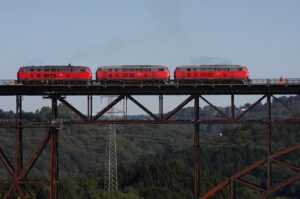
{"x":253,"y":87}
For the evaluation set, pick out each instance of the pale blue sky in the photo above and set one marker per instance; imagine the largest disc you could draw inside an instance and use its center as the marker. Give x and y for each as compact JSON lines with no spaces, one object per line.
{"x":262,"y":34}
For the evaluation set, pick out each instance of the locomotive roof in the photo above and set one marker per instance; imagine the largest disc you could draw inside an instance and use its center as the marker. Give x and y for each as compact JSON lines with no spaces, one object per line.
{"x":211,"y":66}
{"x":55,"y":66}
{"x":134,"y":66}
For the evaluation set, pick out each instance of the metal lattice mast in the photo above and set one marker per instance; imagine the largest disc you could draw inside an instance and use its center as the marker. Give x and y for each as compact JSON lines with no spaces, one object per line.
{"x":111,"y":164}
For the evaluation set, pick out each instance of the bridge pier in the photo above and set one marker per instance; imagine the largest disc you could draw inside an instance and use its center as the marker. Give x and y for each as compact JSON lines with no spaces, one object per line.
{"x":196,"y":148}
{"x":161,"y":106}
{"x":268,"y":142}
{"x":54,"y":169}
{"x":18,"y":161}
{"x":90,"y":106}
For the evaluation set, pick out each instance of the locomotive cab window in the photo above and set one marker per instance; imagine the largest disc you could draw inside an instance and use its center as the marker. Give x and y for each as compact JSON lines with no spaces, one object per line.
{"x":160,"y":69}
{"x":82,"y":70}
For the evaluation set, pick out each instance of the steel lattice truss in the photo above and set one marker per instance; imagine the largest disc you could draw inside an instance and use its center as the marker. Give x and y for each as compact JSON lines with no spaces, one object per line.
{"x":18,"y":170}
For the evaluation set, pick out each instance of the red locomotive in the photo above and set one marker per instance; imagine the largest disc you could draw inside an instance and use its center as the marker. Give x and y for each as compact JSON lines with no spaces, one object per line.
{"x":211,"y":72}
{"x":54,"y":74}
{"x":81,"y":74}
{"x":132,"y":72}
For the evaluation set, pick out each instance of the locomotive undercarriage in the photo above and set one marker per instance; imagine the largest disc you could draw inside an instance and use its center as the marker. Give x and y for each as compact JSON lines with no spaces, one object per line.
{"x":212,"y":81}
{"x":133,"y":82}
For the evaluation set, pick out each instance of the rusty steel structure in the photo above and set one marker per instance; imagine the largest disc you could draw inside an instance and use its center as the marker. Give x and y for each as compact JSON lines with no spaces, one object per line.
{"x":18,"y":170}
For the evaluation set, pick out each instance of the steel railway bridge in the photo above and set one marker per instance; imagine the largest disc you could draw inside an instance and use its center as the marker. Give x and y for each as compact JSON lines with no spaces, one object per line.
{"x":266,"y":88}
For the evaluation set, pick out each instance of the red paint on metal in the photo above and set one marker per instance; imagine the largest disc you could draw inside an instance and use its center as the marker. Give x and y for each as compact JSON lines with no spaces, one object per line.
{"x":132,"y":72}
{"x":211,"y":72}
{"x":37,"y":73}
{"x":247,"y":170}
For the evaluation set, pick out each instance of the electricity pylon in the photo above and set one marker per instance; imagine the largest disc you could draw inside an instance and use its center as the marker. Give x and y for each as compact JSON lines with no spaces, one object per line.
{"x":111,"y":163}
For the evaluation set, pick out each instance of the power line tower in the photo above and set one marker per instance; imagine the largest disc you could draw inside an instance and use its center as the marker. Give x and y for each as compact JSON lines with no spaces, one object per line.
{"x":111,"y":163}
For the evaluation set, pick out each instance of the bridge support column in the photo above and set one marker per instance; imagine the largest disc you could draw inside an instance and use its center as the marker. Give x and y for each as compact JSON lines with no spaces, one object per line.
{"x":161,"y":107}
{"x":90,"y":106}
{"x":232,"y":107}
{"x":232,"y":189}
{"x":18,"y":161}
{"x":196,"y":148}
{"x":54,"y":170}
{"x":268,"y":142}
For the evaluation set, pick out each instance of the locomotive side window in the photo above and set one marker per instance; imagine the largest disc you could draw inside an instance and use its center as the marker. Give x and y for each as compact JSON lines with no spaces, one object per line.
{"x":31,"y":70}
{"x":53,"y":70}
{"x":160,"y":69}
{"x":82,"y":70}
{"x":188,"y":69}
{"x":38,"y":70}
{"x":46,"y":70}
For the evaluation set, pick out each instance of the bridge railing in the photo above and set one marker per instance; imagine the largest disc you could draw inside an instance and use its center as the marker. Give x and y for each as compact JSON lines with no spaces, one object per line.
{"x":277,"y":81}
{"x":8,"y":82}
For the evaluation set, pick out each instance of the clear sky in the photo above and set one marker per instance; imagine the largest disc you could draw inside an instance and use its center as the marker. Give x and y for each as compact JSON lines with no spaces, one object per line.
{"x":262,"y":34}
